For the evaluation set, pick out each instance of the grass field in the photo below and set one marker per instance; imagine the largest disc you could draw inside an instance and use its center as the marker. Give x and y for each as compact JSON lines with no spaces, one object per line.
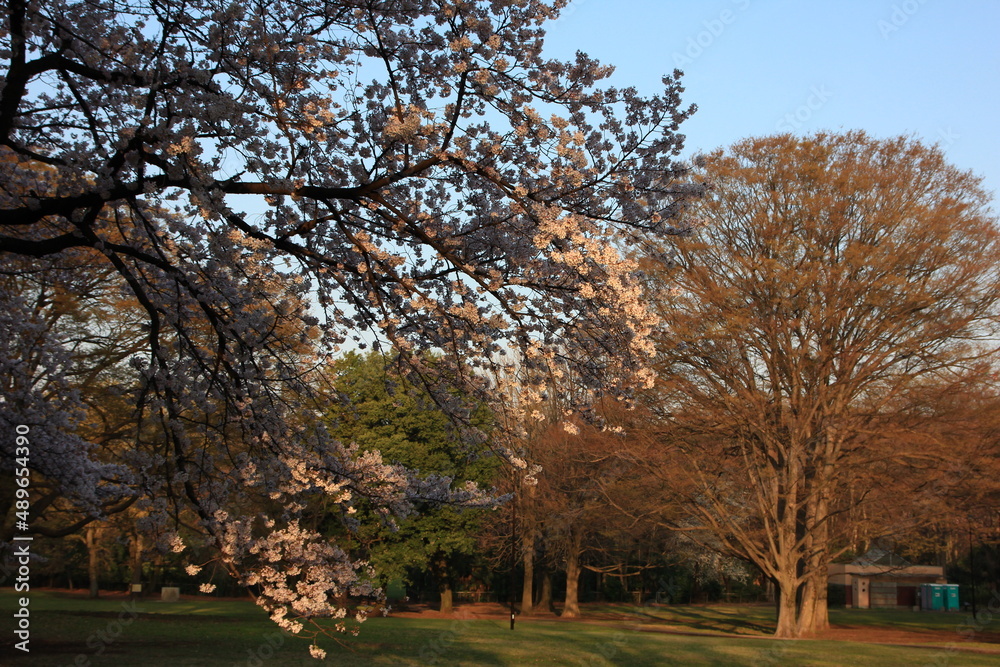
{"x":70,"y":630}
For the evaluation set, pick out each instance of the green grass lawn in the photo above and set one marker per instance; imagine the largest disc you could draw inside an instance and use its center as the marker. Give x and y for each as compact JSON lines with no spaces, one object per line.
{"x":759,"y":619}
{"x":73,"y":631}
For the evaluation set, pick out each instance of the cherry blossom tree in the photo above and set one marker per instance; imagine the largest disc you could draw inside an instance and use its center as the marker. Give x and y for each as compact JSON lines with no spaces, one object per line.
{"x":271,"y":181}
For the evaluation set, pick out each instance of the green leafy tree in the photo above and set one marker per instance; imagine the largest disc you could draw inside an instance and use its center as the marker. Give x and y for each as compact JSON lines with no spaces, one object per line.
{"x":378,"y":410}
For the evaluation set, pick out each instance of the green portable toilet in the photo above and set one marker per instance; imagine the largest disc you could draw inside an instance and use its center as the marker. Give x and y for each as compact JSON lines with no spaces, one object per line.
{"x":937,"y":597}
{"x":951,"y":597}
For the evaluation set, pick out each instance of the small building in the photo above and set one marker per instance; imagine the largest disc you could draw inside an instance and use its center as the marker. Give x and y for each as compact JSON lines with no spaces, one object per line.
{"x":880,"y":580}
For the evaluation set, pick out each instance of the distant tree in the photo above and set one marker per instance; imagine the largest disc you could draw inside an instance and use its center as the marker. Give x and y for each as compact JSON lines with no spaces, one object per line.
{"x":822,"y":280}
{"x":269,"y":180}
{"x":74,"y":335}
{"x":947,"y":496}
{"x":580,"y":507}
{"x":376,"y":409}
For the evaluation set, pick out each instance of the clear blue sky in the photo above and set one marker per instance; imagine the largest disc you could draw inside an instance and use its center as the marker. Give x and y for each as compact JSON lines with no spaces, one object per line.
{"x":755,"y":67}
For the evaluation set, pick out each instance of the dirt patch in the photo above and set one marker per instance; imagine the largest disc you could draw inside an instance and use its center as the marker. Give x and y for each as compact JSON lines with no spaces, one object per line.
{"x":84,"y":594}
{"x":465,"y":610}
{"x":497,"y":611}
{"x":853,"y":633}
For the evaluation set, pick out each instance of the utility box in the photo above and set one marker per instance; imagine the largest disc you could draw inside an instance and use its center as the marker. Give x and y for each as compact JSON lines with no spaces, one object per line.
{"x":861,"y":593}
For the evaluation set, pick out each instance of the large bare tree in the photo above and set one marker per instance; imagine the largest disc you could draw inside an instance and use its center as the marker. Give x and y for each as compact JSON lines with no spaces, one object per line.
{"x":822,"y":280}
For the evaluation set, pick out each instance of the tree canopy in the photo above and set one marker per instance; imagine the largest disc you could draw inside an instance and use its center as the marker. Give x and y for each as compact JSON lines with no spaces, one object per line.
{"x":270,"y":181}
{"x":826,"y":281}
{"x":378,"y":410}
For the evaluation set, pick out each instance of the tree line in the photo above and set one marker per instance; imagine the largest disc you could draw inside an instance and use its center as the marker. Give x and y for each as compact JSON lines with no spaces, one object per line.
{"x":593,"y":353}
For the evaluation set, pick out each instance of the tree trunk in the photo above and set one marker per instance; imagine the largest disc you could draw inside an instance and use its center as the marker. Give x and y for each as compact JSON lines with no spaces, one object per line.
{"x":447,"y":602}
{"x":136,"y":565}
{"x":157,"y":577}
{"x":571,"y":609}
{"x":545,"y":596}
{"x":788,"y":537}
{"x":93,"y":560}
{"x":786,"y":606}
{"x":807,"y":609}
{"x":821,"y":608}
{"x":527,"y":589}
{"x":813,"y":613}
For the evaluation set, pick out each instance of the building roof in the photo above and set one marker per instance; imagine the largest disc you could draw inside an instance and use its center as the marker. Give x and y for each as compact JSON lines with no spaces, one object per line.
{"x":878,"y":556}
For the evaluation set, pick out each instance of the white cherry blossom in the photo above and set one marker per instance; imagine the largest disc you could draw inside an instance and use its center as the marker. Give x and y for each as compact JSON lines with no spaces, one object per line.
{"x":272,"y":182}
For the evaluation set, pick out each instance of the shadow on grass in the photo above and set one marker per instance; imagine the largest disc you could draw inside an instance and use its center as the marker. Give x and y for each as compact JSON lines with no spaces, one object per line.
{"x":744,"y":620}
{"x":728,"y":621}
